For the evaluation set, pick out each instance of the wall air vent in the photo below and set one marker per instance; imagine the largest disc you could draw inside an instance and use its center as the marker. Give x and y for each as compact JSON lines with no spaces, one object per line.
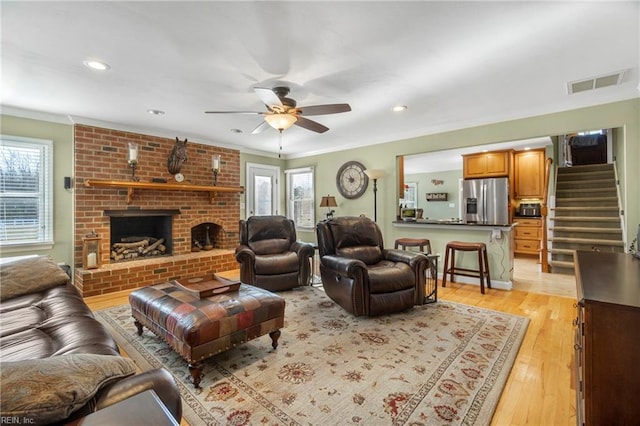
{"x":596,"y":82}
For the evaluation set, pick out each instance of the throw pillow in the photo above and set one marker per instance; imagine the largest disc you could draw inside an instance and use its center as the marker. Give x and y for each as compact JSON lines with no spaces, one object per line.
{"x":30,"y":275}
{"x":48,"y":390}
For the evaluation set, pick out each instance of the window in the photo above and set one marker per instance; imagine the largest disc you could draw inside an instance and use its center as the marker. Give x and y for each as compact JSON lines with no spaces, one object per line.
{"x":26,"y":195}
{"x":300,"y":197}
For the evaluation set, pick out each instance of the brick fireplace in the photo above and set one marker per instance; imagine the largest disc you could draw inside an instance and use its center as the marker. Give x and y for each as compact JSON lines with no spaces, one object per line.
{"x":101,"y":153}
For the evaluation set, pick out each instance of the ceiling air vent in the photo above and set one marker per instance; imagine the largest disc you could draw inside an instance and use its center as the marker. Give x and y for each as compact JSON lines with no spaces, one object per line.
{"x":596,"y":82}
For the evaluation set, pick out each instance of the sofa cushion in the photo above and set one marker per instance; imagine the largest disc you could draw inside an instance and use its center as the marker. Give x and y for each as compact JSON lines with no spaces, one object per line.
{"x":30,"y":275}
{"x":49,"y":390}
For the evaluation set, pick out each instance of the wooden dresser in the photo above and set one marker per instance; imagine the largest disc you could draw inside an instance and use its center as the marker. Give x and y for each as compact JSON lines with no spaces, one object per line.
{"x":607,"y":338}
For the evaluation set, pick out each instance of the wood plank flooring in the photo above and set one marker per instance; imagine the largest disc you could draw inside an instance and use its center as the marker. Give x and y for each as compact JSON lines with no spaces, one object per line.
{"x":540,"y":388}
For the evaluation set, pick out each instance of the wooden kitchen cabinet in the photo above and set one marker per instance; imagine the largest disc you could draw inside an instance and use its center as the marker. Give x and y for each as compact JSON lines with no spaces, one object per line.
{"x":486,"y":164}
{"x":528,"y":236}
{"x":529,"y":173}
{"x":607,"y":340}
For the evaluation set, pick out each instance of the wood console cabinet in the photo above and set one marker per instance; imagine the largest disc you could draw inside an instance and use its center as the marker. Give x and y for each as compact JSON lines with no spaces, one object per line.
{"x":486,"y":164}
{"x":607,"y":338}
{"x":529,"y":173}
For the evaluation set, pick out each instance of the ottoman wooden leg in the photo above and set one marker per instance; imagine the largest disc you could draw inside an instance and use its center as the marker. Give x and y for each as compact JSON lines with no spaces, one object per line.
{"x":196,"y":373}
{"x":275,"y":335}
{"x":139,"y":326}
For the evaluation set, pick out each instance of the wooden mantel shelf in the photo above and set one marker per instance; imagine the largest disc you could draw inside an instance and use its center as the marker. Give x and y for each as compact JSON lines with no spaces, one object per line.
{"x":131,"y":186}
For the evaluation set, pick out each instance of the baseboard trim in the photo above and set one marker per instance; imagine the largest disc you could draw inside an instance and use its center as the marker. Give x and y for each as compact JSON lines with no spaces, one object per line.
{"x":495,"y":284}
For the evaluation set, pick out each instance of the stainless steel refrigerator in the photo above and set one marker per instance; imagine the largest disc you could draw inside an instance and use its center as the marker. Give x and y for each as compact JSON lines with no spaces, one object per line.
{"x":486,"y":201}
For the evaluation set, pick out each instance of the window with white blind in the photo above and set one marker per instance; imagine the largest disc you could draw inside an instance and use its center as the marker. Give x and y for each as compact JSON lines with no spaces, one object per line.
{"x":301,"y":197}
{"x":26,"y":194}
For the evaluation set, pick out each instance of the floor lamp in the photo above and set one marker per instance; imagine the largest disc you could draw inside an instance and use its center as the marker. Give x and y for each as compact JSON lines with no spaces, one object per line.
{"x":375,"y":175}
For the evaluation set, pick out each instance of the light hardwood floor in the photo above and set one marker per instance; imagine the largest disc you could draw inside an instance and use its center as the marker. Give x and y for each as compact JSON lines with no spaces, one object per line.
{"x":540,"y":388}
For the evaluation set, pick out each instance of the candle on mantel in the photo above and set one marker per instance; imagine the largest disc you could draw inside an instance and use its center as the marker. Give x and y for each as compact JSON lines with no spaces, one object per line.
{"x":133,"y":152}
{"x":92,"y":260}
{"x":215,"y":162}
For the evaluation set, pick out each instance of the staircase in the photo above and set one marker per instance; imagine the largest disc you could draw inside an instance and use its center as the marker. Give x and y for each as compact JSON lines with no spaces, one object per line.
{"x":586,"y":215}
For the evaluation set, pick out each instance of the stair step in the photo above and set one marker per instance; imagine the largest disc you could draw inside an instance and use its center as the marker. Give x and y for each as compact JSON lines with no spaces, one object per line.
{"x":590,"y":175}
{"x":568,"y":252}
{"x":587,"y":241}
{"x":587,"y":198}
{"x":562,"y":264}
{"x":581,"y":190}
{"x":587,"y":208}
{"x":586,"y":167}
{"x":585,"y":219}
{"x":566,"y":182}
{"x":586,"y":229}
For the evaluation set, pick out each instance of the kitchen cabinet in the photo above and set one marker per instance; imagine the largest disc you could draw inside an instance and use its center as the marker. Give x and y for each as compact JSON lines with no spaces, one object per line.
{"x":529,"y":173}
{"x":486,"y":164}
{"x":606,"y":338}
{"x":528,"y":235}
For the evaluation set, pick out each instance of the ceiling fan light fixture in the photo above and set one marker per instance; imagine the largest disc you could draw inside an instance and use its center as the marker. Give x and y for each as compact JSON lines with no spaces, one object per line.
{"x":281,"y":121}
{"x":399,"y":108}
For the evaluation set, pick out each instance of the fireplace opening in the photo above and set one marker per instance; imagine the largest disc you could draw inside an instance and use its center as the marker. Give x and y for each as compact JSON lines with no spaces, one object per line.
{"x":137,"y":234}
{"x":205,"y":236}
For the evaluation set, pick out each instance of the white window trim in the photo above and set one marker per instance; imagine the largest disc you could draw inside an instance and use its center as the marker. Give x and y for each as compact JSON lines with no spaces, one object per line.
{"x":48,"y":242}
{"x":289,"y":202}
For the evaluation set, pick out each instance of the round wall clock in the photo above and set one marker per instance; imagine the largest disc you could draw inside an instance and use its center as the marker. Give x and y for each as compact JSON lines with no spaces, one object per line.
{"x":351,"y":180}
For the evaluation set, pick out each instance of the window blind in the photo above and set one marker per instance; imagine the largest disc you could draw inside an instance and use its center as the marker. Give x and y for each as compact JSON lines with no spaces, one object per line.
{"x":26,"y":210}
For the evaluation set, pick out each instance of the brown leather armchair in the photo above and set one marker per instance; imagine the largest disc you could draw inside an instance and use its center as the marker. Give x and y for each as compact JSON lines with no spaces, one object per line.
{"x":363,"y":277}
{"x":269,"y":255}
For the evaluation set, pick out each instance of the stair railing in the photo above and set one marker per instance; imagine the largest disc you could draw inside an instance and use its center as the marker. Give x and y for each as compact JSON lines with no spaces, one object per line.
{"x":544,"y":253}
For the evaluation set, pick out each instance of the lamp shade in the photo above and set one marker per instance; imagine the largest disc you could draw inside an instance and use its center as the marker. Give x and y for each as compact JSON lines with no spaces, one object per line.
{"x":280,"y":121}
{"x":374,"y":173}
{"x":328,"y":201}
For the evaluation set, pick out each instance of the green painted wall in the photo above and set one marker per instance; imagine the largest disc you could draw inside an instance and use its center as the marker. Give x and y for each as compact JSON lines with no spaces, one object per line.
{"x":62,"y":137}
{"x":624,"y":114}
{"x":438,"y":209}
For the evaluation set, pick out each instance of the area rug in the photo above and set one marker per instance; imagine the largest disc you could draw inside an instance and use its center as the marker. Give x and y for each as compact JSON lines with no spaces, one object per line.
{"x":443,"y":363}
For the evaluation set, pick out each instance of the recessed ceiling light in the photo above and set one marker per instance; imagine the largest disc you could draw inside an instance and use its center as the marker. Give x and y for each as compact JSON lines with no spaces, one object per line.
{"x":236,"y":131}
{"x":399,"y":108}
{"x":155,"y":112}
{"x":96,"y":65}
{"x":527,"y":148}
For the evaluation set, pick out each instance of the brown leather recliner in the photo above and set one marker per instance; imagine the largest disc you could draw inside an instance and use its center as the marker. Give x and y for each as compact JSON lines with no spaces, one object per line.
{"x":363,"y":277}
{"x":269,"y":255}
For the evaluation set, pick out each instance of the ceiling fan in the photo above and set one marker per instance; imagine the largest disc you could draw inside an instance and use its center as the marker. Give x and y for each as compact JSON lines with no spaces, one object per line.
{"x":283,"y":112}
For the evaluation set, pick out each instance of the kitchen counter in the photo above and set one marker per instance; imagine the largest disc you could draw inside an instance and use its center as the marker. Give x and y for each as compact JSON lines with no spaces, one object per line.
{"x":498,"y":238}
{"x":455,"y":224}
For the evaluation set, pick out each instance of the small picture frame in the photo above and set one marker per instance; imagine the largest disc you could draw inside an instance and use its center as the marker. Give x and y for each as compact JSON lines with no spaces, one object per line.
{"x":91,"y":252}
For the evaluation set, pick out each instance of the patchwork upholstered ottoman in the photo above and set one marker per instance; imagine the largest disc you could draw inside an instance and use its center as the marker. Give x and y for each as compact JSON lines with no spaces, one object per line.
{"x":198,"y":328}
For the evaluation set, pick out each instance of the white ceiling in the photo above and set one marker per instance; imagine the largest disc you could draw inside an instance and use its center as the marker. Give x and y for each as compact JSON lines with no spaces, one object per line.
{"x":453,"y":64}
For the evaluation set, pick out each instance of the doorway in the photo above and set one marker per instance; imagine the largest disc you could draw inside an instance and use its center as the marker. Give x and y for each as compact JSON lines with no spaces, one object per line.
{"x":263,"y":190}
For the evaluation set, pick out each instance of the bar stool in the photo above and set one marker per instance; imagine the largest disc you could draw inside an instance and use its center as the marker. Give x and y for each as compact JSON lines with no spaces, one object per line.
{"x":450,"y":268}
{"x":414,"y":242}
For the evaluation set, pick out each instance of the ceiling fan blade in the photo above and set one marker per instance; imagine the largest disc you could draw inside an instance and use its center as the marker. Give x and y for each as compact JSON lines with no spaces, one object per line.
{"x":324,"y":109}
{"x":233,"y":112}
{"x":268,"y":97}
{"x":310,"y":125}
{"x":260,"y":128}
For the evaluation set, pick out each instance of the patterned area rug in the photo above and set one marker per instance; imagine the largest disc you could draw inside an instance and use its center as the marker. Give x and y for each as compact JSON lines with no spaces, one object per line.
{"x":444,"y":363}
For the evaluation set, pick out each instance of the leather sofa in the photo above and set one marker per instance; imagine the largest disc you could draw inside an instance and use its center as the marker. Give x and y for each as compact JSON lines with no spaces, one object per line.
{"x":44,"y":319}
{"x":269,"y":255}
{"x":363,"y":277}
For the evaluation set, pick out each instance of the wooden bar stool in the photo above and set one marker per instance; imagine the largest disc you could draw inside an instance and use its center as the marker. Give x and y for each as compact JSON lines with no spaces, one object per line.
{"x":414,"y":242}
{"x":450,"y":268}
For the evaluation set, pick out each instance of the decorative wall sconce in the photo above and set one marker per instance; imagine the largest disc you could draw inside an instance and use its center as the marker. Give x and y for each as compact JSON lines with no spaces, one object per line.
{"x":91,"y":251}
{"x":215,"y":166}
{"x":328,"y":202}
{"x":133,"y":160}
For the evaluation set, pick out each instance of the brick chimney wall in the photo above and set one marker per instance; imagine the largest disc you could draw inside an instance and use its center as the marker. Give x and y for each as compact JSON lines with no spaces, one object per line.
{"x":102,"y":153}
